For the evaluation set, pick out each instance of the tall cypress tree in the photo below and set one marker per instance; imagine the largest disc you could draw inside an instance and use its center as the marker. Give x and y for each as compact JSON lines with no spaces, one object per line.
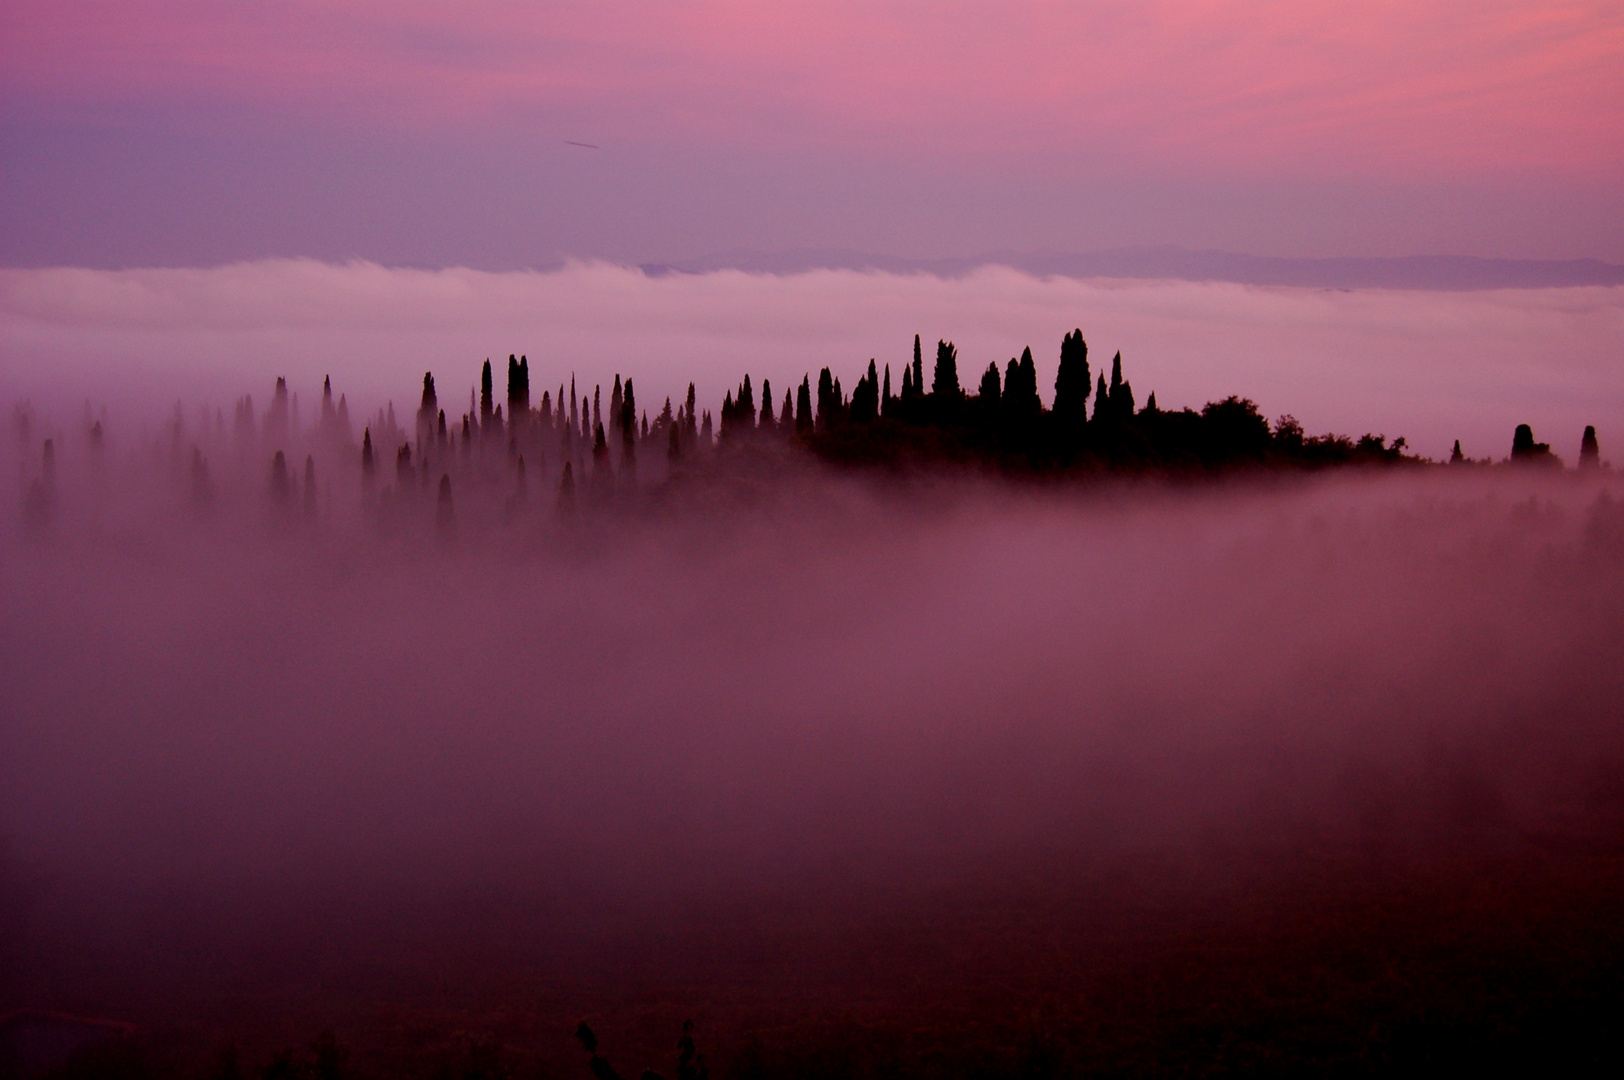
{"x":485,"y":403}
{"x":1589,"y":449}
{"x":988,"y":390}
{"x":944,"y":383}
{"x":766,"y":421}
{"x":1071,"y":381}
{"x":803,"y":406}
{"x":918,"y":368}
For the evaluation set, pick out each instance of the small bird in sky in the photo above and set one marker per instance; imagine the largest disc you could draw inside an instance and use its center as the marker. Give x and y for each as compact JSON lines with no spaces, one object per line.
{"x":582,"y":145}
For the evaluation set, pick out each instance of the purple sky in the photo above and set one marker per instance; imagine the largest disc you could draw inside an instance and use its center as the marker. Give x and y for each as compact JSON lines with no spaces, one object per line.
{"x":141,"y":133}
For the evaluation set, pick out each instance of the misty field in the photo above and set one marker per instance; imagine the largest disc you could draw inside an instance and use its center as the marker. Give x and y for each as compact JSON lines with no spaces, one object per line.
{"x":865,"y":776}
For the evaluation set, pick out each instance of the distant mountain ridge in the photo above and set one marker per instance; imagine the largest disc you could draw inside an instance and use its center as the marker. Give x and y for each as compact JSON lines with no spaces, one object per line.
{"x":1450,"y":272}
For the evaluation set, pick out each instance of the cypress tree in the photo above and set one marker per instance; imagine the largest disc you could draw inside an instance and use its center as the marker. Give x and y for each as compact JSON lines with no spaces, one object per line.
{"x":1071,"y":381}
{"x":988,"y":391}
{"x":918,"y":368}
{"x":803,"y":406}
{"x":485,"y":395}
{"x":281,"y":484}
{"x":766,"y":421}
{"x":826,"y":400}
{"x":1102,"y":401}
{"x":368,"y":466}
{"x":1455,"y":456}
{"x":692,"y":432}
{"x":885,"y":394}
{"x":786,"y":415}
{"x":615,"y":401}
{"x":944,"y":383}
{"x":1589,"y":449}
{"x":566,"y":489}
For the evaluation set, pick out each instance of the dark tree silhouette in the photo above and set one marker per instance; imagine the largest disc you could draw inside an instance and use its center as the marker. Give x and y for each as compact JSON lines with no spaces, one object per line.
{"x":1589,"y":449}
{"x":1526,"y":451}
{"x":918,"y":368}
{"x":988,"y":391}
{"x":1071,"y":382}
{"x":485,"y":403}
{"x":281,"y":483}
{"x":368,"y":465}
{"x":1455,"y":456}
{"x":944,"y":383}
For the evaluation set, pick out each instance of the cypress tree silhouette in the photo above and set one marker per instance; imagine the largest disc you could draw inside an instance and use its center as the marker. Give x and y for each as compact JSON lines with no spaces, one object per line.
{"x":485,"y":403}
{"x":1071,"y":382}
{"x":597,"y":406}
{"x":803,"y":406}
{"x":1455,"y":456}
{"x":765,"y":423}
{"x":281,"y":483}
{"x":827,"y":400}
{"x":1102,"y":402}
{"x":786,"y":415}
{"x":886,"y":407}
{"x":944,"y":383}
{"x":368,"y":465}
{"x":1589,"y":449}
{"x":692,"y":431}
{"x":523,"y":400}
{"x":705,"y":430}
{"x":426,"y":410}
{"x":600,"y":456}
{"x":566,"y":488}
{"x":439,"y":429}
{"x":918,"y":369}
{"x":616,"y":400}
{"x":628,"y":439}
{"x":988,"y":390}
{"x":1525,"y":450}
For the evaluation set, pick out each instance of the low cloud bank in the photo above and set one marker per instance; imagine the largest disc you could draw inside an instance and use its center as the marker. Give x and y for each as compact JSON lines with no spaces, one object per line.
{"x":1431,"y":366}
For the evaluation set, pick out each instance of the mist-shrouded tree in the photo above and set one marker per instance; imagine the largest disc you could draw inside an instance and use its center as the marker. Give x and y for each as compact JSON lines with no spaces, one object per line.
{"x":566,"y":488}
{"x":369,"y":465}
{"x":1455,"y":456}
{"x":673,"y":443}
{"x":444,"y":512}
{"x":281,"y":482}
{"x":600,"y":454}
{"x":944,"y":382}
{"x":426,"y":410}
{"x":616,"y":401}
{"x":1589,"y":449}
{"x":692,"y":418}
{"x":1071,"y":382}
{"x":485,"y":390}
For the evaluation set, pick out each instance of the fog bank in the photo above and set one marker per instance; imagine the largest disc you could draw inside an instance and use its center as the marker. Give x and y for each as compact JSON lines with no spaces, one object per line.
{"x":1430,"y":366}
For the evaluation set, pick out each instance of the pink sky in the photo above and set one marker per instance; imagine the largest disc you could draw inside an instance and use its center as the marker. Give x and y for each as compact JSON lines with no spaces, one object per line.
{"x":1489,"y":128}
{"x":1233,"y":86}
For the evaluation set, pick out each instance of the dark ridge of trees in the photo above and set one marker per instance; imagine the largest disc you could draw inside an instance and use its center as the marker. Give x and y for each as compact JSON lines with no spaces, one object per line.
{"x":1525,"y":451}
{"x":1005,"y":425}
